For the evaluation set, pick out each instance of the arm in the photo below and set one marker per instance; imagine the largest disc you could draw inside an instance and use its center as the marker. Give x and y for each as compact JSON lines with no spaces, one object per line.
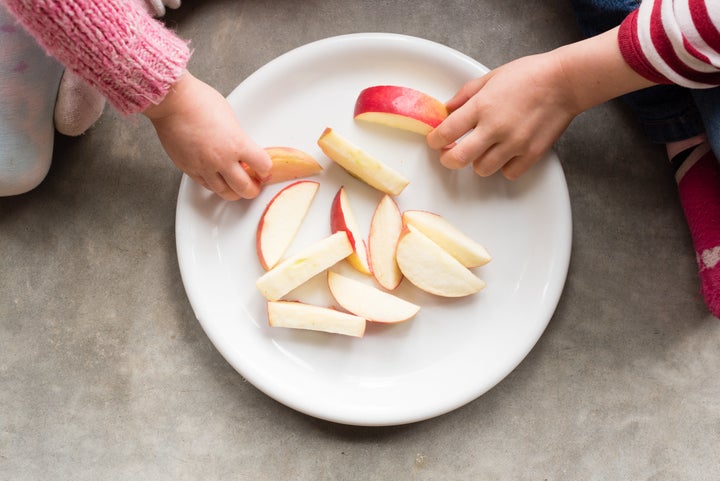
{"x":514,"y":114}
{"x":139,"y":66}
{"x":201,"y":134}
{"x":674,"y":41}
{"x":114,"y":45}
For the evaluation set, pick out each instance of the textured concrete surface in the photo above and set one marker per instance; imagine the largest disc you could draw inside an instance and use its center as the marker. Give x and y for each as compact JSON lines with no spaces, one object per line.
{"x":106,"y":374}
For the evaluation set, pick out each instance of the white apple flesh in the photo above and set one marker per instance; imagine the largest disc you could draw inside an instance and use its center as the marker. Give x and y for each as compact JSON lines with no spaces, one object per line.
{"x":458,"y":244}
{"x":369,"y":302}
{"x":400,"y":107}
{"x":430,"y":268}
{"x":297,"y":269}
{"x":297,"y":315}
{"x":360,"y":164}
{"x":342,"y":218}
{"x":282,"y":219}
{"x":385,"y":228}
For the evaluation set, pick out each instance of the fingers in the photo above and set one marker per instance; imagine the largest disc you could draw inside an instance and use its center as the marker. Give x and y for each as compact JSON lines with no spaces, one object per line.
{"x":256,"y":159}
{"x":452,"y":128}
{"x":466,"y":151}
{"x":488,"y":155}
{"x":509,"y":162}
{"x":517,"y":166}
{"x":216,"y":183}
{"x":238,"y":179}
{"x":240,"y":182}
{"x":466,"y":92}
{"x":233,"y":185}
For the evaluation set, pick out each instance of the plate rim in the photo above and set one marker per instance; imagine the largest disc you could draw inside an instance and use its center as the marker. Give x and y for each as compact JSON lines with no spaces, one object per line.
{"x":429,"y":411}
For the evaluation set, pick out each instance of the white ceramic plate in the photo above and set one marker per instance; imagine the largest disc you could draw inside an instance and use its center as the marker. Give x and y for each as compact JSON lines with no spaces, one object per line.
{"x":454,"y":350}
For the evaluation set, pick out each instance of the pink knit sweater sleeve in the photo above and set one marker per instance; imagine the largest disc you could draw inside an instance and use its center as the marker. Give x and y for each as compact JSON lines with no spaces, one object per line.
{"x":674,"y":41}
{"x":114,"y":45}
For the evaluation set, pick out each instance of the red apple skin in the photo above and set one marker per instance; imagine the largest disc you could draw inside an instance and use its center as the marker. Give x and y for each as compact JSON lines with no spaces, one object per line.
{"x":402,"y":101}
{"x":261,"y":223}
{"x":338,"y":222}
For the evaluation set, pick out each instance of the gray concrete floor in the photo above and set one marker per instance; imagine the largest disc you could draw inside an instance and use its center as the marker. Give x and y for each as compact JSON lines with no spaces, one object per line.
{"x":106,"y":374}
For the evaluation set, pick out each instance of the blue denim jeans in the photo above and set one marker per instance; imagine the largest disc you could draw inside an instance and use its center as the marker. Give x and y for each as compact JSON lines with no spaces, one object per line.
{"x":667,"y":113}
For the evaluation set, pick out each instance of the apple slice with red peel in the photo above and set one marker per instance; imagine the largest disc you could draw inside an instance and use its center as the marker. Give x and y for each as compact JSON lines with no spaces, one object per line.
{"x":281,"y":220}
{"x":360,"y":164}
{"x":430,"y":268}
{"x":298,"y":315}
{"x":288,"y":163}
{"x":385,"y":228}
{"x":458,"y":244}
{"x":295,"y":270}
{"x":400,"y":107}
{"x":342,"y":218}
{"x":369,"y":302}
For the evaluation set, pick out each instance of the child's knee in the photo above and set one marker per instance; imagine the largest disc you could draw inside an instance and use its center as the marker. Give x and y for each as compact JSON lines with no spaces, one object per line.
{"x":29,"y":81}
{"x":22,"y":168}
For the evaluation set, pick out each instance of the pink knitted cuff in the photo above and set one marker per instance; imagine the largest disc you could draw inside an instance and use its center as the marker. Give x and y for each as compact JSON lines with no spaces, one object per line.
{"x":114,"y":45}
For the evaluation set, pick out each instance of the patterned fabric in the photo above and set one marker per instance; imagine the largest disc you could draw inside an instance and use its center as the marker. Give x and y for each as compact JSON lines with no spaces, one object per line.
{"x":114,"y":45}
{"x":674,"y":41}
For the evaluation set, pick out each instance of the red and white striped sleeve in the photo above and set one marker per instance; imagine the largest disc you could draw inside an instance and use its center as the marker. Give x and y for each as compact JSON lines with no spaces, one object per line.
{"x":674,"y":41}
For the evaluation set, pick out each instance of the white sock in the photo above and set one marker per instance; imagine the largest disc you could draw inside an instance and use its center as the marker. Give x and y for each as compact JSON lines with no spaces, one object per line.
{"x":29,"y":80}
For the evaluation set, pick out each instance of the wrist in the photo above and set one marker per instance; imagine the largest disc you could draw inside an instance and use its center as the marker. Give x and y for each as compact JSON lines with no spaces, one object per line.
{"x":595,"y":71}
{"x":172,"y":102}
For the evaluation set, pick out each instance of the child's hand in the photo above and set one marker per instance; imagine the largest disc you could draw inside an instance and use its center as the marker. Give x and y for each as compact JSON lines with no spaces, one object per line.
{"x":511,"y":116}
{"x":514,"y":114}
{"x":200,"y":133}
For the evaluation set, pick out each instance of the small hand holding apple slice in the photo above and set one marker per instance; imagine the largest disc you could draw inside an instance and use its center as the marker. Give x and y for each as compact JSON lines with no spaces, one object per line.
{"x":442,"y":232}
{"x":361,"y":164}
{"x":385,"y":228}
{"x":297,"y":269}
{"x":400,"y":107}
{"x":368,"y":302}
{"x":298,"y":315}
{"x":342,"y":218}
{"x":288,"y":163}
{"x":430,"y":268}
{"x":281,"y":220}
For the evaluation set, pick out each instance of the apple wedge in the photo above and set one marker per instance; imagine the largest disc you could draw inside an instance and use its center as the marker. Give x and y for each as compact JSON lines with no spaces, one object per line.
{"x":342,"y":218}
{"x":281,"y":220}
{"x":430,"y":268}
{"x":288,"y":163}
{"x":369,"y":302}
{"x":459,"y":245}
{"x":400,"y":107}
{"x":297,"y":315}
{"x":361,"y":164}
{"x":385,"y":228}
{"x":296,"y":269}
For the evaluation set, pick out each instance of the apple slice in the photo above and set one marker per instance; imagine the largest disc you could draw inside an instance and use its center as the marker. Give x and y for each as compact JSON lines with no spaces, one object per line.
{"x":442,"y":232}
{"x":369,"y":302}
{"x":297,"y":269}
{"x":298,"y":315}
{"x":385,"y":228}
{"x":342,"y":218}
{"x":429,"y":267}
{"x":281,"y":220}
{"x":400,"y":107}
{"x":361,"y":164}
{"x":288,"y":163}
